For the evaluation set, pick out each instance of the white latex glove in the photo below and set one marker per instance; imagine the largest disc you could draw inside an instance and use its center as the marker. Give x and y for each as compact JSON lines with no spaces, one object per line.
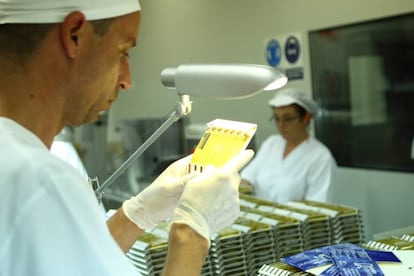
{"x":158,"y":201}
{"x":210,"y":201}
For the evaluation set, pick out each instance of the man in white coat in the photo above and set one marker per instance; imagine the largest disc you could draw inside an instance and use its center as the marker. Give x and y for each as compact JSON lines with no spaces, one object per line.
{"x":62,"y":63}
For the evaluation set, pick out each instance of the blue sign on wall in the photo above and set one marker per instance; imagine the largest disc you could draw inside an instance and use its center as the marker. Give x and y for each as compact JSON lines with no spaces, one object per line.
{"x":284,"y":52}
{"x":292,"y":49}
{"x":273,"y":53}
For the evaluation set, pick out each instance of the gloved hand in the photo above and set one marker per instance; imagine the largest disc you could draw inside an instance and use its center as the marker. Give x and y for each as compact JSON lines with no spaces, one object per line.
{"x":210,"y":201}
{"x":158,"y":201}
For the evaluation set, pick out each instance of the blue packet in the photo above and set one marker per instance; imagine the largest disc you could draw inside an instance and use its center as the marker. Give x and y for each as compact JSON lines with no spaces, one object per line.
{"x":314,"y":257}
{"x":383,"y":256}
{"x":309,"y":259}
{"x":330,"y":271}
{"x":351,"y":260}
{"x":341,"y":256}
{"x":347,"y":250}
{"x":378,"y":255}
{"x":354,"y":267}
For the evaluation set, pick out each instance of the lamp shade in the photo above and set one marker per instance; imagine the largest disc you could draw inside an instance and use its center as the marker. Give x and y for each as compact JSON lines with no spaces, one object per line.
{"x":224,"y":81}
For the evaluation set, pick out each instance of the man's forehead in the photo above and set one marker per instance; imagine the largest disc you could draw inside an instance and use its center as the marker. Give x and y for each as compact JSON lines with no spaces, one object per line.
{"x":53,"y":11}
{"x":127,"y":27}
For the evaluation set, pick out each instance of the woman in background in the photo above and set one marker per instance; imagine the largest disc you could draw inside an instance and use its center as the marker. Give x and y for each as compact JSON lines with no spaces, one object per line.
{"x":291,"y":165}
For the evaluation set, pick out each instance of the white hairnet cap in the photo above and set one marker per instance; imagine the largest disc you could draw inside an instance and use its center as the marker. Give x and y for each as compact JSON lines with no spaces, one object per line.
{"x":290,"y":96}
{"x":54,"y":11}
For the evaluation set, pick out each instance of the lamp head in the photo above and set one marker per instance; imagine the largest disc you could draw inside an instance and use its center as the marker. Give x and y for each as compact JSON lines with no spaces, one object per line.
{"x":224,"y":81}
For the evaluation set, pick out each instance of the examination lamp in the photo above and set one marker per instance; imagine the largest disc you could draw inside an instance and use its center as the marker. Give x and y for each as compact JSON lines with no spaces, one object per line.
{"x":223,"y":81}
{"x":220,"y":81}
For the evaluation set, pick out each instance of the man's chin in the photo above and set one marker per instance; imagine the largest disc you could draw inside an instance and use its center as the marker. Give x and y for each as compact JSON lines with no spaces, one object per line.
{"x":96,"y":118}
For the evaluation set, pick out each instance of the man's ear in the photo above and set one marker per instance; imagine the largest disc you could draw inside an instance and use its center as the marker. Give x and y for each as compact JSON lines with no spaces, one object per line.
{"x":70,"y":30}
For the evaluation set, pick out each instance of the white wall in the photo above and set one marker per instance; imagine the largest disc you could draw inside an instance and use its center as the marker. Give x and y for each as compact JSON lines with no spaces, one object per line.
{"x":174,"y":32}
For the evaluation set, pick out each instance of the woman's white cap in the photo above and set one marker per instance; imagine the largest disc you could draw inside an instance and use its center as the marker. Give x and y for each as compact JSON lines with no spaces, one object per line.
{"x":290,"y":96}
{"x":54,"y":11}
